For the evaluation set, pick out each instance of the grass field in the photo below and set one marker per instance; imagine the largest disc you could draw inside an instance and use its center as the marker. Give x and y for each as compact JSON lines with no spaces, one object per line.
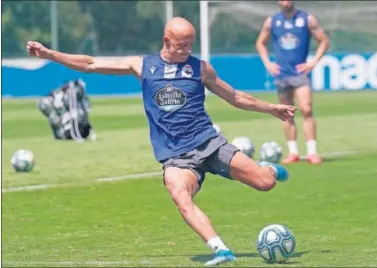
{"x":331,"y":209}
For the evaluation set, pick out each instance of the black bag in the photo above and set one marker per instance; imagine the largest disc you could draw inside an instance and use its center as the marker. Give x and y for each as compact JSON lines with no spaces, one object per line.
{"x":67,"y":109}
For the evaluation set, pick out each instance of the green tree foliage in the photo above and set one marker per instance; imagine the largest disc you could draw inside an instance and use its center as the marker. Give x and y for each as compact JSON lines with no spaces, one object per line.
{"x":131,"y":27}
{"x":22,"y":21}
{"x":126,"y":26}
{"x":31,"y":20}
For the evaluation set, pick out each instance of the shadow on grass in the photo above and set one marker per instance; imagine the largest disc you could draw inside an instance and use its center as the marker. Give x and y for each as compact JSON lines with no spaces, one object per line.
{"x":337,"y":159}
{"x":207,"y":257}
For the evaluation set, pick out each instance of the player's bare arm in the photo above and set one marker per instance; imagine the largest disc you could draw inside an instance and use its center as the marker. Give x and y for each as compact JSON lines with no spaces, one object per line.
{"x":240,"y":99}
{"x":323,"y":44}
{"x":263,"y":37}
{"x":261,"y":46}
{"x":131,"y":65}
{"x":319,"y":34}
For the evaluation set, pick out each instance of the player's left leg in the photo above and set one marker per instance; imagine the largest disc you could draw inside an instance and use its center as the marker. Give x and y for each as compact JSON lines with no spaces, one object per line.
{"x":303,"y":96}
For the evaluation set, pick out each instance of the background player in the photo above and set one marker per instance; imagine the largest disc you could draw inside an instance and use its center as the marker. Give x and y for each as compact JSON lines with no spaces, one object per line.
{"x":291,"y":31}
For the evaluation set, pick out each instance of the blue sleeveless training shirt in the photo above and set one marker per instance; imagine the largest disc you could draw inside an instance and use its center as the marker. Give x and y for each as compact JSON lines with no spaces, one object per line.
{"x":173,"y":96}
{"x":291,"y":41}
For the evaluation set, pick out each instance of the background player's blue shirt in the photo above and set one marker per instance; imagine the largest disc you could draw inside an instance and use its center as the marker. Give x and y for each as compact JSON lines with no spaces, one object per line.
{"x":291,"y":41}
{"x":173,"y":96}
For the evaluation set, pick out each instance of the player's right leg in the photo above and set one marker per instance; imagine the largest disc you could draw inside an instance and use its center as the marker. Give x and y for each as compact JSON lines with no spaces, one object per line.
{"x":303,"y":95}
{"x":290,"y":129}
{"x":182,"y":185}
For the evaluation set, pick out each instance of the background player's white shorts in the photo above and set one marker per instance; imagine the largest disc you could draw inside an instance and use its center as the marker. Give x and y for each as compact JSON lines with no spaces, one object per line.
{"x":291,"y":82}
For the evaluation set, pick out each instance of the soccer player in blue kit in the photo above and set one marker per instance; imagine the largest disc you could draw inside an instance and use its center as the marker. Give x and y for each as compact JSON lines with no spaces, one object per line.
{"x":183,"y":138}
{"x":291,"y":31}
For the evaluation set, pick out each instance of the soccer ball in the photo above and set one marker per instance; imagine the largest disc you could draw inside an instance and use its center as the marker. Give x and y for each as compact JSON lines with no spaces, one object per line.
{"x":217,"y":128}
{"x":276,"y":243}
{"x":23,"y":161}
{"x":271,"y":152}
{"x":245,"y":145}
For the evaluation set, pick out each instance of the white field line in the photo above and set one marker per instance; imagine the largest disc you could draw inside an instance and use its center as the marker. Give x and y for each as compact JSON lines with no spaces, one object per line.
{"x":30,"y":187}
{"x":304,"y":157}
{"x":145,"y":175}
{"x":132,"y":176}
{"x":60,"y":263}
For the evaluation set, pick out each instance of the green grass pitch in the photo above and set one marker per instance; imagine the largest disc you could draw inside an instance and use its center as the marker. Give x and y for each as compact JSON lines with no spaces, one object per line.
{"x":331,"y":208}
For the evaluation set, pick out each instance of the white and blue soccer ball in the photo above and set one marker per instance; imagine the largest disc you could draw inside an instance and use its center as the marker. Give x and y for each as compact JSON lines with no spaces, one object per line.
{"x":23,"y":161}
{"x":245,"y":145}
{"x":271,"y":151}
{"x":276,"y":243}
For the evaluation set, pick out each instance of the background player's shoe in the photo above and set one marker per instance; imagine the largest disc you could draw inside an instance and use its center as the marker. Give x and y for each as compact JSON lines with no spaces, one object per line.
{"x":221,"y":256}
{"x":282,"y":173}
{"x":291,"y":158}
{"x":314,"y":159}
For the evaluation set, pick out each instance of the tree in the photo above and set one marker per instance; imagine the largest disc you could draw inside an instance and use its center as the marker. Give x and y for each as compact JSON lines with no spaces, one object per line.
{"x":26,"y":20}
{"x":126,"y":27}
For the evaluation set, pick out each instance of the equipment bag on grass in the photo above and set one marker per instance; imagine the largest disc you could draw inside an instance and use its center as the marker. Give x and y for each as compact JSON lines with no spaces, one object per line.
{"x":67,"y":110}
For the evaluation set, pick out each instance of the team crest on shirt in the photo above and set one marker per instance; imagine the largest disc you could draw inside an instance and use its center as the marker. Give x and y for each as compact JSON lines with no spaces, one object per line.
{"x":170,"y":98}
{"x":278,"y":23}
{"x":299,"y":22}
{"x":289,"y":41}
{"x":187,"y":71}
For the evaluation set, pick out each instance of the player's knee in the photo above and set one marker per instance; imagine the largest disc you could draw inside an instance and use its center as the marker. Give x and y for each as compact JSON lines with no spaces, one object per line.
{"x":175,"y":189}
{"x":268,"y":184}
{"x":290,"y":122}
{"x":266,"y":181}
{"x":180,"y":195}
{"x":306,"y":111}
{"x":183,"y":202}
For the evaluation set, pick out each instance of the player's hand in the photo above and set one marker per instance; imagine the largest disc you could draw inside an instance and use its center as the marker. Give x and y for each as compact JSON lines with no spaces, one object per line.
{"x":305,"y":68}
{"x":284,"y":112}
{"x":36,"y":49}
{"x":273,"y":68}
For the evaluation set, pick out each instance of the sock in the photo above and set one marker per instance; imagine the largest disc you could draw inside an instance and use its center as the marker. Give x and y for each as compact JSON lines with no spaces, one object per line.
{"x":216,"y":244}
{"x":311,"y":147}
{"x":275,"y":171}
{"x":292,"y":147}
